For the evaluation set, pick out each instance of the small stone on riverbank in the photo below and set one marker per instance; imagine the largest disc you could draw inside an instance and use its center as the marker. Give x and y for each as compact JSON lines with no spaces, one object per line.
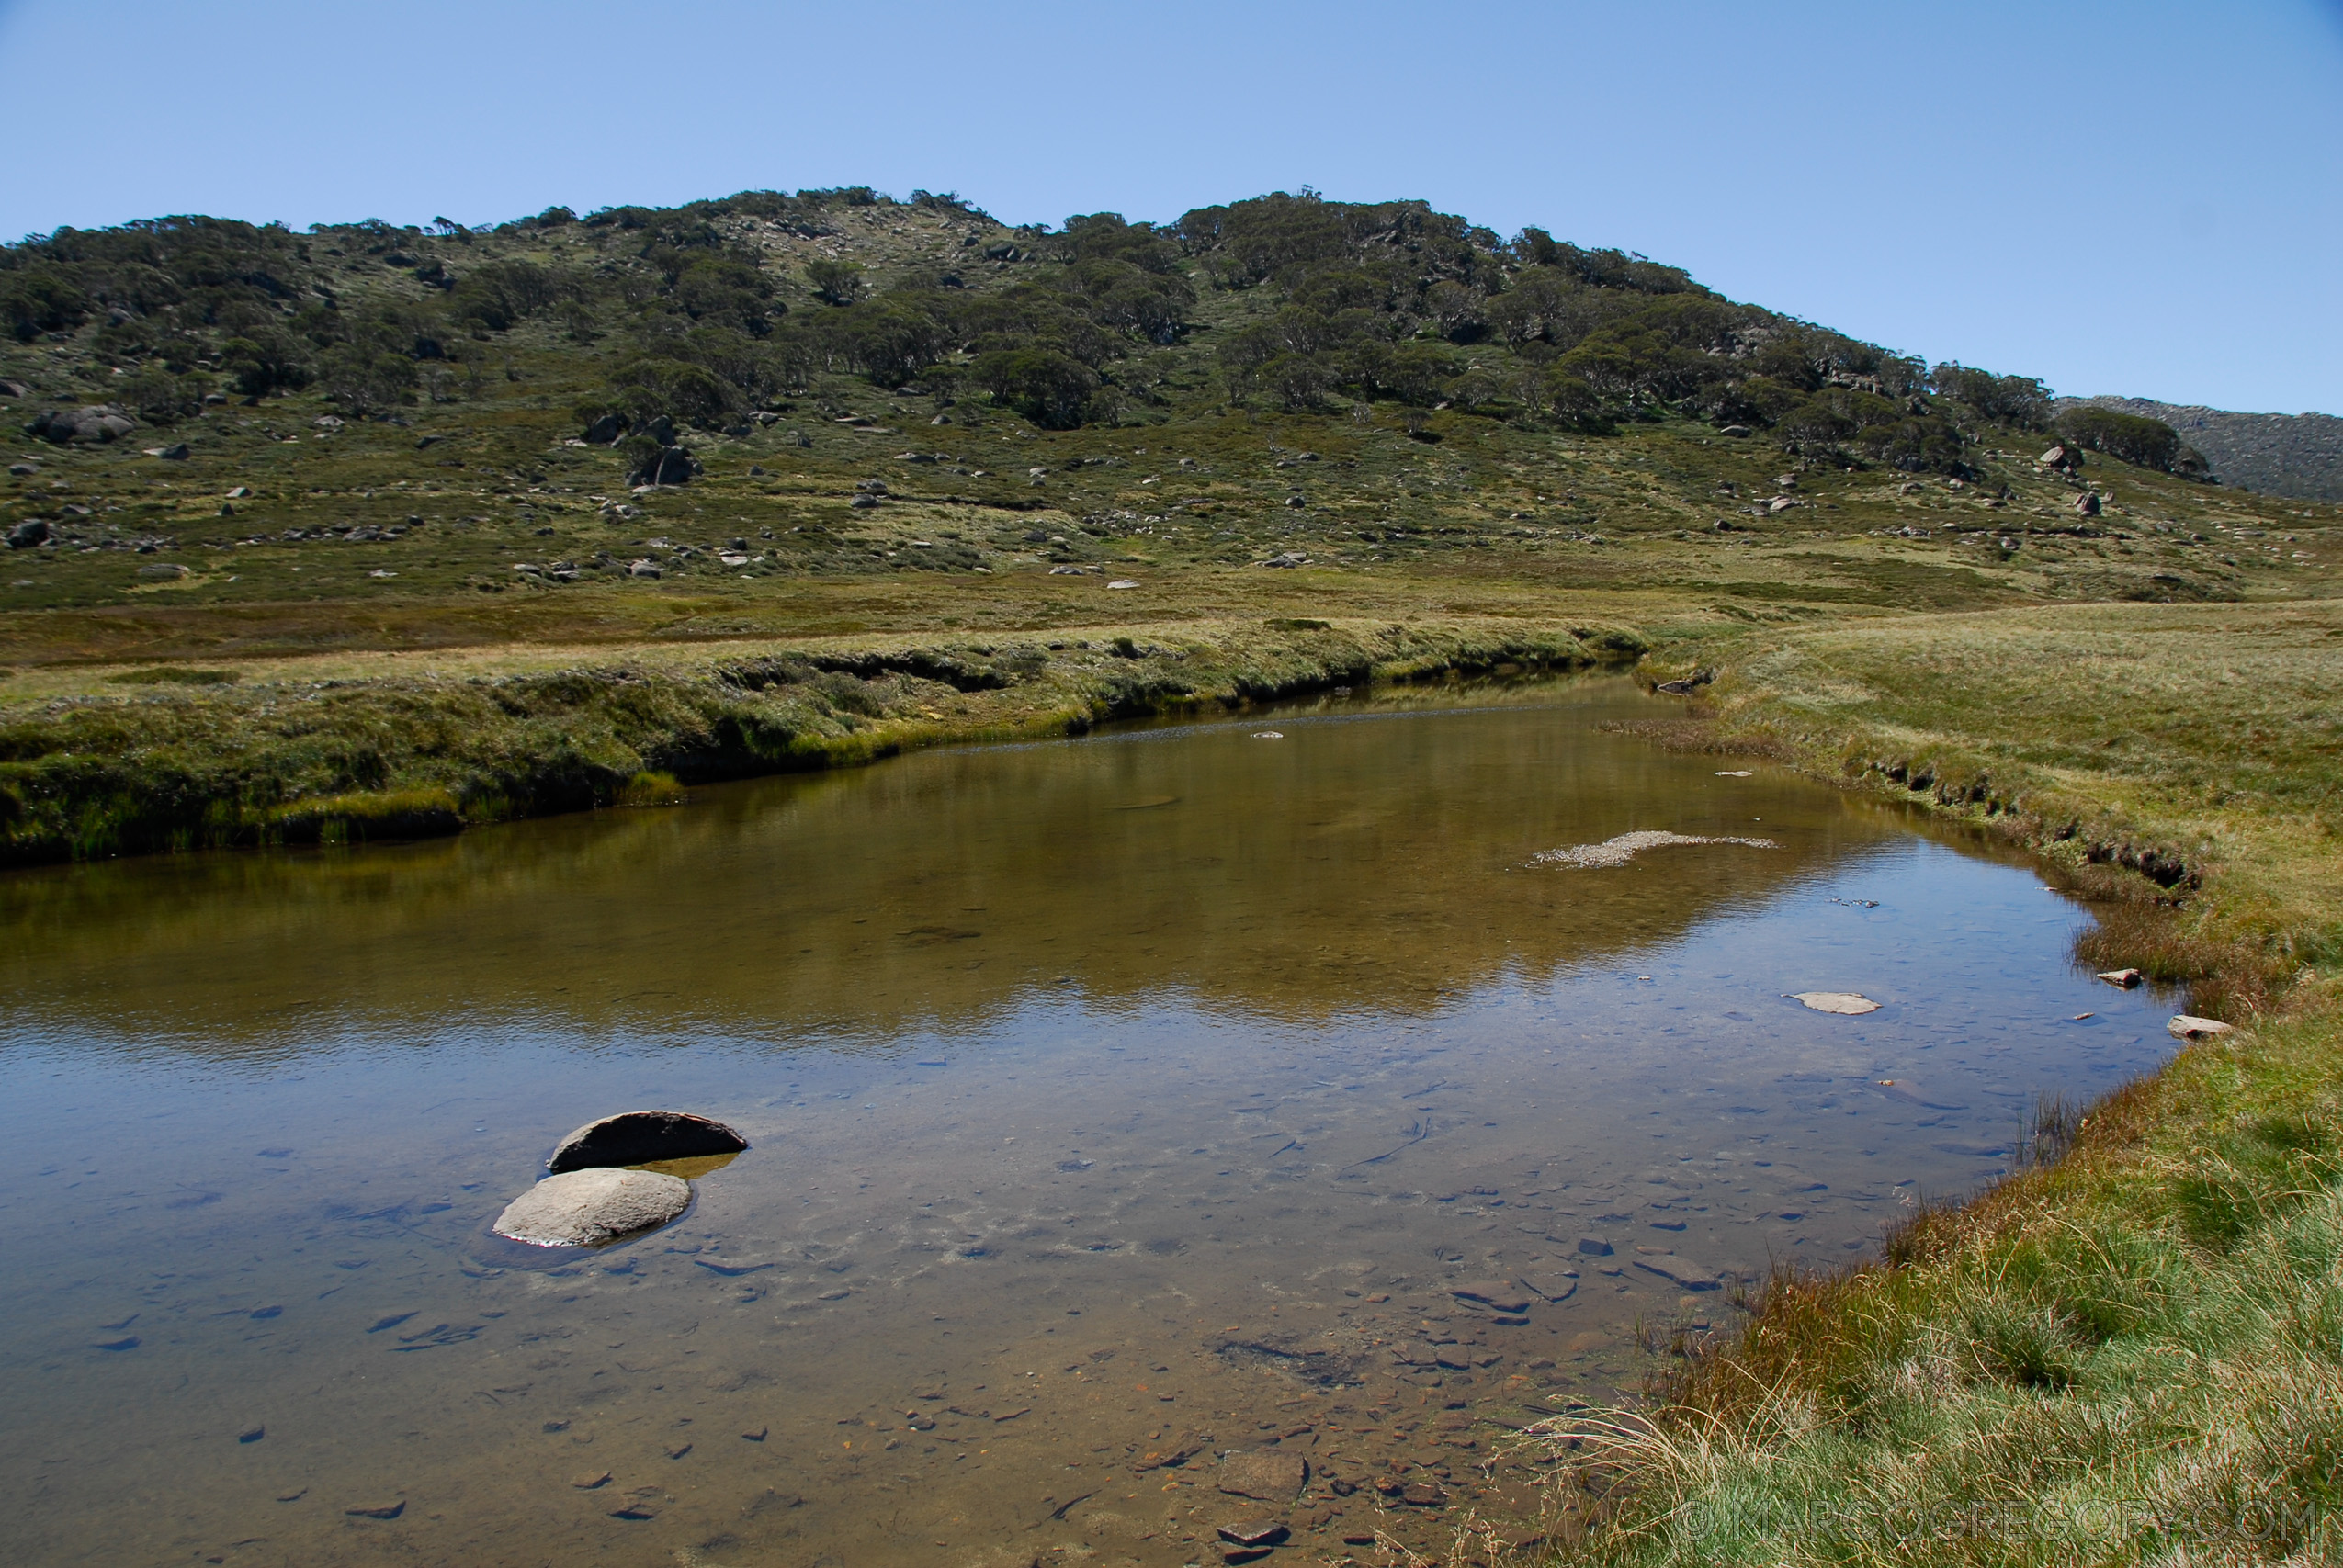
{"x":2184,"y":1027}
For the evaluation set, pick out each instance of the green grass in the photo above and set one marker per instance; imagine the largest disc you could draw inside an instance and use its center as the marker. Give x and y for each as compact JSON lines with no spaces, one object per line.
{"x":2209,"y":738}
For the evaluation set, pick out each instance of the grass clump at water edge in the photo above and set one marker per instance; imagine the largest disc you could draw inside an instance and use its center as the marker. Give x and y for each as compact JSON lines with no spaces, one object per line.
{"x":2133,"y":1355}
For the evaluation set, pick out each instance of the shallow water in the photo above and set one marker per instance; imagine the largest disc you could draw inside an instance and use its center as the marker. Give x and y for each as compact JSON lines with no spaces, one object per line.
{"x":1109,"y":1099}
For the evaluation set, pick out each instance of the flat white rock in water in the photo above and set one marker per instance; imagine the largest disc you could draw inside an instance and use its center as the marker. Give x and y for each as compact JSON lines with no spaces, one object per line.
{"x":587,"y":1208}
{"x":1848,"y":1002}
{"x":1622,"y":849}
{"x":2187,"y":1028}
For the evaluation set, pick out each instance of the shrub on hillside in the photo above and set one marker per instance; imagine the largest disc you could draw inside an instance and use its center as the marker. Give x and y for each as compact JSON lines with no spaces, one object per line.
{"x":2148,"y":442}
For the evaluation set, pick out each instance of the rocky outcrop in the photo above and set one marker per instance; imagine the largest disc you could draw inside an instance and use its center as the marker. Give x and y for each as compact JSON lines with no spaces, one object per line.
{"x":103,"y":422}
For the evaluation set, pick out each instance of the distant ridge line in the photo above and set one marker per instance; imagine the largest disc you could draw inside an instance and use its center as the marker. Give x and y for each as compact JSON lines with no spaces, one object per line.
{"x":2294,"y":455}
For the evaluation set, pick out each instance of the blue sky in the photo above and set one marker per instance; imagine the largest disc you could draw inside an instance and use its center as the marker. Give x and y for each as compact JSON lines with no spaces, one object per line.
{"x":2136,"y":198}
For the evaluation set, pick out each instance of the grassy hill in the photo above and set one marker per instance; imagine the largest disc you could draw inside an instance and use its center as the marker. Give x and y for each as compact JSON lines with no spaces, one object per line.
{"x":254,"y":462}
{"x":2296,"y":454}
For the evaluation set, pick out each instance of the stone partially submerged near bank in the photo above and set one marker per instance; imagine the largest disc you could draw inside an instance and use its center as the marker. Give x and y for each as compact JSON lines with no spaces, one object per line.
{"x":590,"y":1208}
{"x":639,"y":1137}
{"x":1627,"y":846}
{"x":1852,"y":1004}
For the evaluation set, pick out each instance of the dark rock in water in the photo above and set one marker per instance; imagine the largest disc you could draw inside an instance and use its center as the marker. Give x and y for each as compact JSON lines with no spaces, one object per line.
{"x":1253,"y":1532}
{"x":1595,"y":1246}
{"x":637,"y":1137}
{"x":377,"y":1510}
{"x":1499,"y":1295}
{"x":251,"y":1434}
{"x":1681,"y":1272}
{"x":1264,"y":1477}
{"x":1687,"y":686}
{"x":587,"y":1208}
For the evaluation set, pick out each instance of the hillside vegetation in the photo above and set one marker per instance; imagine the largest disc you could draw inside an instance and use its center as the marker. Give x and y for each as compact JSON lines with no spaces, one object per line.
{"x":836,"y":415}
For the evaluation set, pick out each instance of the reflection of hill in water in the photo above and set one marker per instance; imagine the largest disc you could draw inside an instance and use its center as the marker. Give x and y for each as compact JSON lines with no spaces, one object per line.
{"x":1360,"y":862}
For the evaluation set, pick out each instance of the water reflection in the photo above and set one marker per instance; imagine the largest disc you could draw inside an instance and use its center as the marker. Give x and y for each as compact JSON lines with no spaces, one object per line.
{"x":1365,"y":859}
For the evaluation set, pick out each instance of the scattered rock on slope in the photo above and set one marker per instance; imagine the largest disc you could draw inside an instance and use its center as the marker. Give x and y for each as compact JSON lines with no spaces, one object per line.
{"x":104,"y":422}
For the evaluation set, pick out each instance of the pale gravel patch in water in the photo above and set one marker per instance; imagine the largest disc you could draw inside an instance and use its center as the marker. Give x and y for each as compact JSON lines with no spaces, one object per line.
{"x":1624,"y":847}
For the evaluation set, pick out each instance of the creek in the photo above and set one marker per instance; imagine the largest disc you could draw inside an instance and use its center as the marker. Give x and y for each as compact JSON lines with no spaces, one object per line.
{"x":1113,"y":1103}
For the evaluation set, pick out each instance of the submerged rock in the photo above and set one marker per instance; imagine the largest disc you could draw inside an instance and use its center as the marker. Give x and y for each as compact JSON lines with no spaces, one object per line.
{"x":637,"y":1137}
{"x":587,"y":1208}
{"x":1682,"y":1273}
{"x":389,"y":1510}
{"x":1268,"y":1477}
{"x":1498,"y":1295}
{"x":1627,"y":846}
{"x":1846,"y":1002}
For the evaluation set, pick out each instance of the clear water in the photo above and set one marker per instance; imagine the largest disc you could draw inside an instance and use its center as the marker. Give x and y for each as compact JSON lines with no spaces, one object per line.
{"x":1109,"y":1099}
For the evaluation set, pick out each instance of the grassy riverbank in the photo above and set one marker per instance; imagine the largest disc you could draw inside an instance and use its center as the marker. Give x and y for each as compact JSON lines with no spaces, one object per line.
{"x":285,"y":753}
{"x":2129,"y":1351}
